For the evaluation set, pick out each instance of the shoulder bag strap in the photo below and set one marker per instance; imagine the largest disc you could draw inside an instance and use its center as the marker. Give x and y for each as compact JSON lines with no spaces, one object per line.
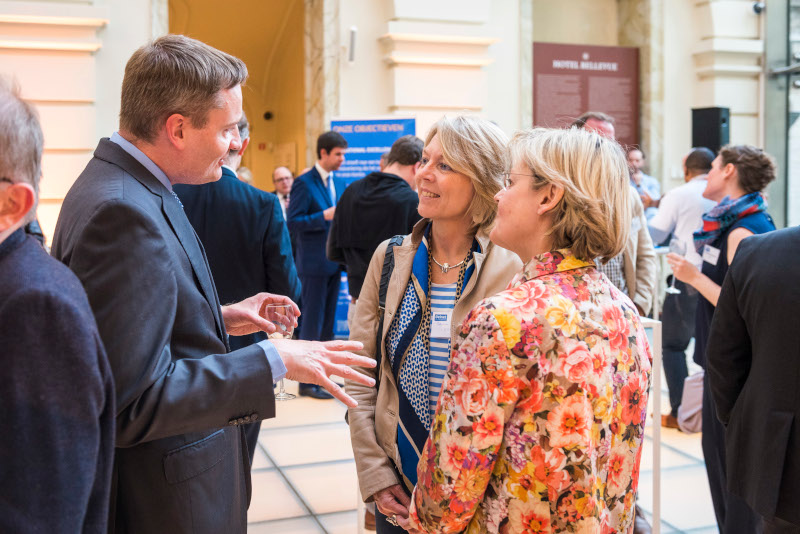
{"x":386,"y":274}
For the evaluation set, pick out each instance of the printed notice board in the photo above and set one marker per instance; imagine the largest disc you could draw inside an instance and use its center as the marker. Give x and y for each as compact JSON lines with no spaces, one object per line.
{"x":569,"y":80}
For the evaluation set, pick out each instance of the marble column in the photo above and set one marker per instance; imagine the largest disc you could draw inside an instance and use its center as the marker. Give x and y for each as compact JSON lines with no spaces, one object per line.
{"x":322,"y":54}
{"x":640,"y":24}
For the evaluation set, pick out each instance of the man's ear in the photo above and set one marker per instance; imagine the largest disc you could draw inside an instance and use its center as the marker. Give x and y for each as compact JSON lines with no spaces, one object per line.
{"x":550,"y":196}
{"x":15,"y":203}
{"x":245,"y":142}
{"x":416,"y":167}
{"x":175,"y":128}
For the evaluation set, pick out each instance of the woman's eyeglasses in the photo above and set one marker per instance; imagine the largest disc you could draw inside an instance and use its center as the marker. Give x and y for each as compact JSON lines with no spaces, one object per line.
{"x":507,"y":178}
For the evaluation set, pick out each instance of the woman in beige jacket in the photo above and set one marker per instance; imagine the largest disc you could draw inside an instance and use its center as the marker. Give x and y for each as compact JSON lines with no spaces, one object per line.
{"x":441,"y":271}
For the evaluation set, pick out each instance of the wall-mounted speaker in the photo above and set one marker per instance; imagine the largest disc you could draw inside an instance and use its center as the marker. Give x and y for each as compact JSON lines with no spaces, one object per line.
{"x":711,"y":128}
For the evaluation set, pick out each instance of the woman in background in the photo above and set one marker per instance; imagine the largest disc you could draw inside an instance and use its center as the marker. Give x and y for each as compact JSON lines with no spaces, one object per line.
{"x":737,"y":179}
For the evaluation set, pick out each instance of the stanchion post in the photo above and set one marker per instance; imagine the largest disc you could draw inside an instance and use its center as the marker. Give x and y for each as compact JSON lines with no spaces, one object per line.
{"x":655,"y":383}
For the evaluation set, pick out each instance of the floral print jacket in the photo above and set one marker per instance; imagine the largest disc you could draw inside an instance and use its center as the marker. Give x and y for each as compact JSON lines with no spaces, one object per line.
{"x":540,"y":421}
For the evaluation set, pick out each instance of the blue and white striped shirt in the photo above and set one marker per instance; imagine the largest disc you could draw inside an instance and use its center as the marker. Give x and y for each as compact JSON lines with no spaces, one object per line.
{"x":443,"y":297}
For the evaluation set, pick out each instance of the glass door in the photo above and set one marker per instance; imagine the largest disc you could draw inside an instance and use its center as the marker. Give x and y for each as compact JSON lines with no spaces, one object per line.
{"x":782,"y":107}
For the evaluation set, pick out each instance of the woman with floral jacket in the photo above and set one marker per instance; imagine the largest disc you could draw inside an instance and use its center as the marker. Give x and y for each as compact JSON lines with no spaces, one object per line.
{"x":540,"y":420}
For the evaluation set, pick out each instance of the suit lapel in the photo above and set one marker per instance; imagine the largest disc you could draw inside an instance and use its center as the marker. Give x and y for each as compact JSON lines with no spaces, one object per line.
{"x":322,"y":193}
{"x":113,"y":153}
{"x":197,"y":257}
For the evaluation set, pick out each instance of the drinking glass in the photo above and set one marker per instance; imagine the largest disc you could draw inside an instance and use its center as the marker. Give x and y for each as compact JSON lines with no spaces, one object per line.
{"x":678,"y":247}
{"x":282,"y":316}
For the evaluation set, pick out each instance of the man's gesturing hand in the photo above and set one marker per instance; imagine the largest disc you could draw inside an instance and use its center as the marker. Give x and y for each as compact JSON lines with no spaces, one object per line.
{"x":312,"y":362}
{"x":247,"y":316}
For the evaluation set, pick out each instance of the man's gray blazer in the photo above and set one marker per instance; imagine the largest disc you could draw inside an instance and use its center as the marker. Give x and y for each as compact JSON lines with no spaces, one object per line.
{"x":181,"y":458}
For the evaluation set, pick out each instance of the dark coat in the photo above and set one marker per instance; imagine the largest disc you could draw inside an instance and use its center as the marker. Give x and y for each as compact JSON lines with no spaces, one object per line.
{"x":246,"y":241}
{"x":370,"y":211}
{"x":56,"y":398}
{"x":307,"y":201}
{"x":753,"y":361}
{"x":181,"y":462}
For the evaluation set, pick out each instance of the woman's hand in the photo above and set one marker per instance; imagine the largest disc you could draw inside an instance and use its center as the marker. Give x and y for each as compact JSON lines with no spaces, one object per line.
{"x":682,"y":269}
{"x":405,"y":523}
{"x":393,"y":502}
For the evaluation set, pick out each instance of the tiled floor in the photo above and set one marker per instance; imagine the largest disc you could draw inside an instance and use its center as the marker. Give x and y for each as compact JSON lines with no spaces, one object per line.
{"x":304,"y":478}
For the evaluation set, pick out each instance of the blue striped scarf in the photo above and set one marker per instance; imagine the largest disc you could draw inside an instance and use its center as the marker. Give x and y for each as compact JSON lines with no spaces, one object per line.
{"x":409,"y":358}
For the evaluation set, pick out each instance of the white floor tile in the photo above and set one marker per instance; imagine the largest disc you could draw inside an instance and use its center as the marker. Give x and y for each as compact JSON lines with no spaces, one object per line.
{"x":272,"y":498}
{"x":685,"y":497}
{"x":669,"y":458}
{"x":302,"y":525}
{"x":304,"y":445}
{"x":326,"y":488}
{"x":341,"y":523}
{"x":260,"y":460}
{"x":304,"y":410}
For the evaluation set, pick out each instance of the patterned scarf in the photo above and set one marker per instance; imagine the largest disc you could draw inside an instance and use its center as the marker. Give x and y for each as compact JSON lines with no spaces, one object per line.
{"x":725,"y":214}
{"x":405,"y":345}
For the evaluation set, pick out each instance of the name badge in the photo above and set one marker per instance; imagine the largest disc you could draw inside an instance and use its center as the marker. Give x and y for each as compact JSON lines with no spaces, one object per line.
{"x":636,"y":225}
{"x":440,"y":323}
{"x":710,"y":255}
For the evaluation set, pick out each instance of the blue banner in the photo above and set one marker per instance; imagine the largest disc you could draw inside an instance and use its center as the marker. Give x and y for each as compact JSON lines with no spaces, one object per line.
{"x":366,"y":139}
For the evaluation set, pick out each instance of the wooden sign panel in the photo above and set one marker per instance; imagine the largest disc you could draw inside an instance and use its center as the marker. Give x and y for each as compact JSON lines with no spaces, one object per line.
{"x":571,"y":79}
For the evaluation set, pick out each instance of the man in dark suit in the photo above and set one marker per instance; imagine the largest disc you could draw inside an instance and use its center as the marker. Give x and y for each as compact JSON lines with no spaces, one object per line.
{"x":753,"y":361}
{"x":282,"y":179}
{"x":246,"y":242}
{"x":181,"y":459}
{"x":311,"y":208}
{"x":56,"y":390}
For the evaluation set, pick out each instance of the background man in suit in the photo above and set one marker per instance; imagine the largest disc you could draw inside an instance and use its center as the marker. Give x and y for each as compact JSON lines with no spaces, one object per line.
{"x":57,"y":442}
{"x":181,"y":460}
{"x":246,"y":242}
{"x":283,"y":179}
{"x":753,"y":361}
{"x":311,"y":208}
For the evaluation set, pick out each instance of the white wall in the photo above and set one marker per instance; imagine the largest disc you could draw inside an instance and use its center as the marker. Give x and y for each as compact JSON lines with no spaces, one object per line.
{"x":364,"y":84}
{"x":416,"y":58}
{"x":68,"y":57}
{"x":680,"y":89}
{"x":504,"y":73}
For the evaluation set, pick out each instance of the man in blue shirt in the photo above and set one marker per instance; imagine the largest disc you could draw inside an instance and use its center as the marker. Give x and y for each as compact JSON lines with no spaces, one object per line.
{"x":649,"y":188}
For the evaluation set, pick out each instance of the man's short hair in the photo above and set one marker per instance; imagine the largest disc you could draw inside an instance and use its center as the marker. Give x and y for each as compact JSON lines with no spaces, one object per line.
{"x":175,"y":74}
{"x":406,"y":151}
{"x":632,"y":148}
{"x":244,"y":132}
{"x":580,"y":122}
{"x":328,"y":141}
{"x":699,"y":160}
{"x":21,"y":140}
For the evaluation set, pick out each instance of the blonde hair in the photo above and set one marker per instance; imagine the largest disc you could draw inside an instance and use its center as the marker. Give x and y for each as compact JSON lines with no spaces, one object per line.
{"x":476,"y":148}
{"x":594,"y":217}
